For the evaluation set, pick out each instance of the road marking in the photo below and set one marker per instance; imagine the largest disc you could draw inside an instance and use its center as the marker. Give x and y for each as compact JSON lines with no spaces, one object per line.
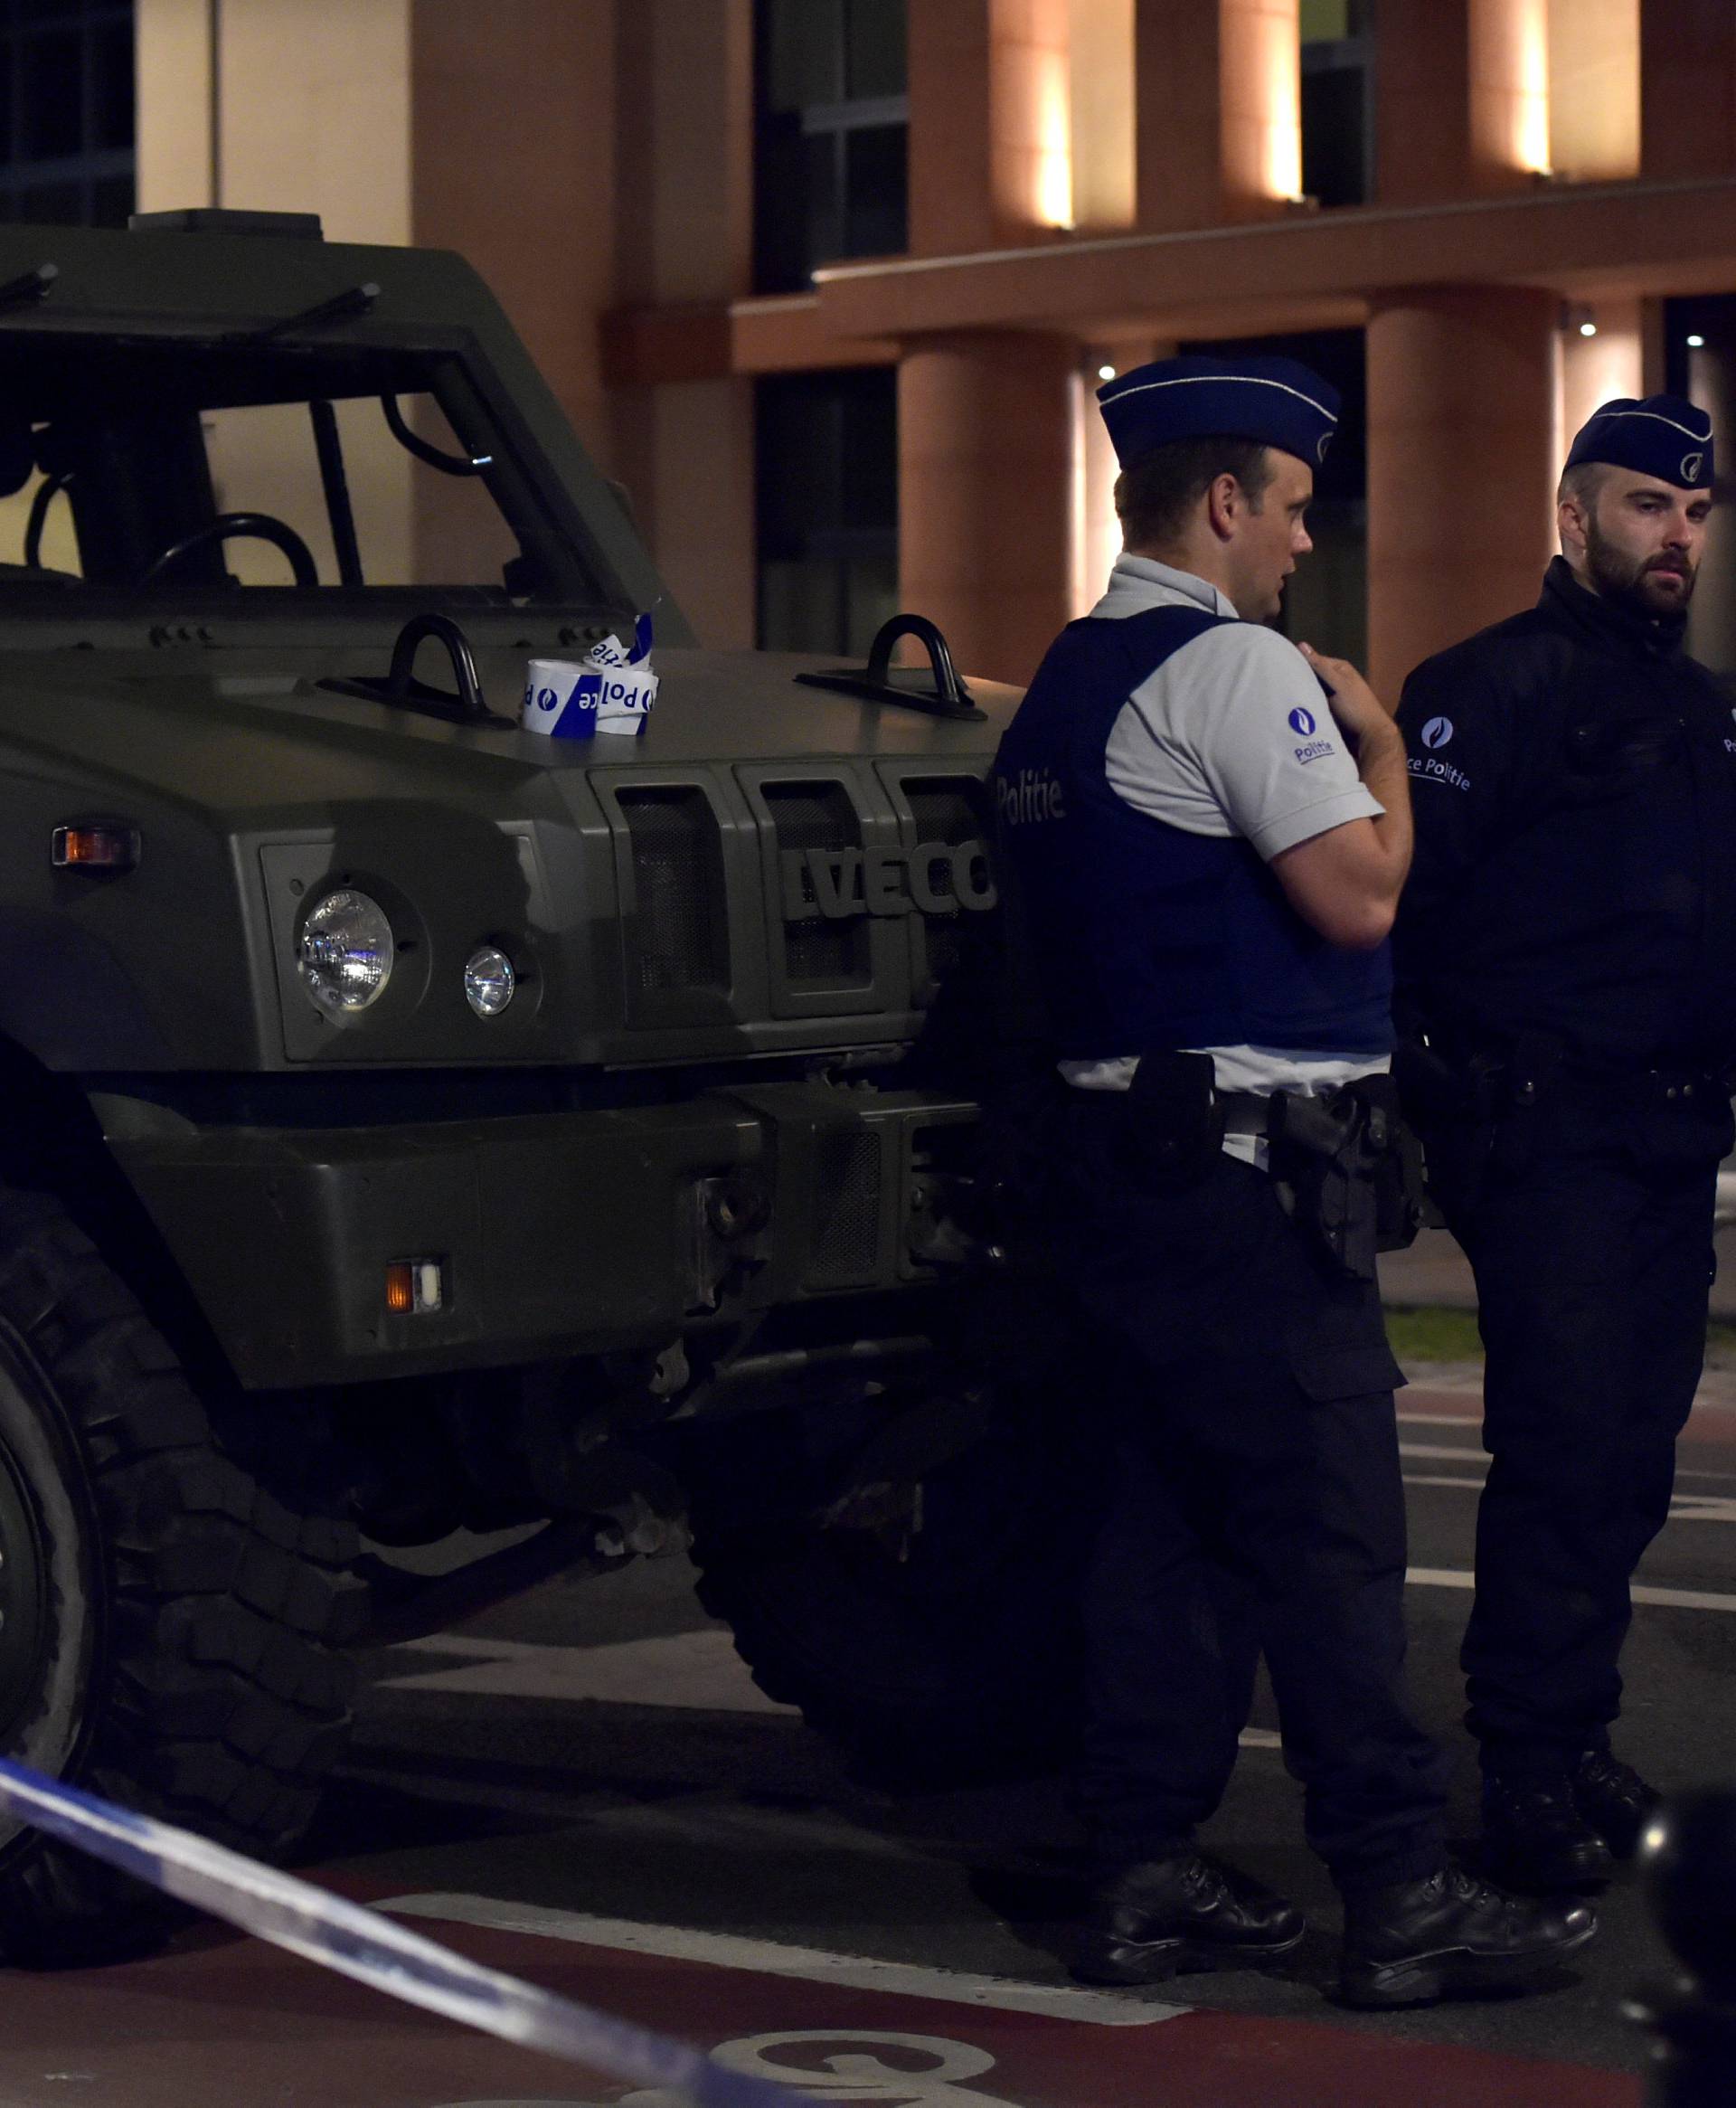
{"x":1669,"y":1598}
{"x":1452,"y":1452}
{"x":773,"y":1957}
{"x":701,"y":1672}
{"x":693,"y":1671}
{"x":850,"y":2074}
{"x":1260,"y":1738}
{"x":1694,"y":1508}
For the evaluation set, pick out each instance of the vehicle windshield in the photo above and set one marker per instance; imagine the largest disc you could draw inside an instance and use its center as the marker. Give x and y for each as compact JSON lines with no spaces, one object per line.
{"x":148,"y":464}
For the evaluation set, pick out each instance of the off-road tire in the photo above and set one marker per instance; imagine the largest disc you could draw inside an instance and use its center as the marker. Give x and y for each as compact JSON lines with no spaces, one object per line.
{"x":172,"y":1628}
{"x":958,"y":1659}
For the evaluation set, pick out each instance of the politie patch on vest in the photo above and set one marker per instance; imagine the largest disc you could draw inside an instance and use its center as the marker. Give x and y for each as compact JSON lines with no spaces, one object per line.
{"x":1429,"y":769}
{"x":1316,"y":749}
{"x":1032,"y":795}
{"x":1437,"y":731}
{"x":1301,"y":722}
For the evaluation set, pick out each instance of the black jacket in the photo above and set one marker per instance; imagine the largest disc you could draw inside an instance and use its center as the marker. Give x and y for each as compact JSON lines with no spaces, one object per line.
{"x":1573,"y":774}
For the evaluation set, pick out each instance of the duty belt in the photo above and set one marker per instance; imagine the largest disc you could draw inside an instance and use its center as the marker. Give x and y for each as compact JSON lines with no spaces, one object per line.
{"x":1343,"y":1166}
{"x":1246,"y":1112}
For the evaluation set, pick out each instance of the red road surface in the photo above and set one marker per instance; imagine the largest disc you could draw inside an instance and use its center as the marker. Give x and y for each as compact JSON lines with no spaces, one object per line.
{"x":224,"y":2020}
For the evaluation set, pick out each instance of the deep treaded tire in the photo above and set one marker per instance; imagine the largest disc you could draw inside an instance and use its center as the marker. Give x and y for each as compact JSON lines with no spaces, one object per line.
{"x":169,"y":1628}
{"x":959,"y":1659}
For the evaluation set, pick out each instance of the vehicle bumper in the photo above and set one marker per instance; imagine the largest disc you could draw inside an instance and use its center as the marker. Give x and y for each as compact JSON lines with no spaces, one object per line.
{"x":556,"y":1234}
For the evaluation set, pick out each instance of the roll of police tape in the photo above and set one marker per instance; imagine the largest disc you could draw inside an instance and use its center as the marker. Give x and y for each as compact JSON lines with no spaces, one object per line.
{"x":375,"y":1950}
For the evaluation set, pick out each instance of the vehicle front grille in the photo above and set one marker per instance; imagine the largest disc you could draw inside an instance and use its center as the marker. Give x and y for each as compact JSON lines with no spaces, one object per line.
{"x":845,"y":1245}
{"x":819,"y":951}
{"x":679,"y":934}
{"x":950,"y":809}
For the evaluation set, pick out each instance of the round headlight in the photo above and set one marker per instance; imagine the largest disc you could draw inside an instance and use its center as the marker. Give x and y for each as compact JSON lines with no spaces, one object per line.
{"x":345,"y":952}
{"x":488,"y":980}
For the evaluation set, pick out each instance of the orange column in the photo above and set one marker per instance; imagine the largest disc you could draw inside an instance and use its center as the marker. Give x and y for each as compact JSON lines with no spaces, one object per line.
{"x":1218,"y":125}
{"x":1461,"y":467}
{"x":1177,"y":117}
{"x":1462,"y":100}
{"x":1509,"y":80}
{"x":1423,"y":87}
{"x":988,"y":152}
{"x":1687,"y":89}
{"x":986,"y":493}
{"x":1260,"y":90}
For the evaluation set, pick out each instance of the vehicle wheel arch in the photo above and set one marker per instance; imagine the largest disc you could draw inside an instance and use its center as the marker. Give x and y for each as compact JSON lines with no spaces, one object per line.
{"x":51,"y":1141}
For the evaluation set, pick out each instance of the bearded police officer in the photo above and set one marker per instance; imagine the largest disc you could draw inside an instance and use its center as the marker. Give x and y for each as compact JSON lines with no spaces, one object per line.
{"x":1207,"y":849}
{"x":1567,"y":955}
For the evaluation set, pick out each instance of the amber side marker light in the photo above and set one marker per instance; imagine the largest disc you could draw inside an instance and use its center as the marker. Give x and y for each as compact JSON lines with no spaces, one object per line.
{"x":414,"y":1286}
{"x":99,"y":847}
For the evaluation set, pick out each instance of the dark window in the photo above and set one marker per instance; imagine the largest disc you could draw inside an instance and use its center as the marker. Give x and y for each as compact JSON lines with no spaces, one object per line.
{"x":827,"y":476}
{"x":832,"y":125}
{"x":1337,"y":101}
{"x":66,"y":111}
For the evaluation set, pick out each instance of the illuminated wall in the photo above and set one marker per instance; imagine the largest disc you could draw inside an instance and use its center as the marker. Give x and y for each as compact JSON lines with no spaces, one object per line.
{"x":1509,"y":85}
{"x":1030,"y":96}
{"x":1260,"y":70}
{"x":1594,"y":90}
{"x":1100,"y":113}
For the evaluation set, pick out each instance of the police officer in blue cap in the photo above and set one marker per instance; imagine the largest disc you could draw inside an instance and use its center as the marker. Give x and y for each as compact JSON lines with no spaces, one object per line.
{"x":1206,"y":833}
{"x":1567,"y":958}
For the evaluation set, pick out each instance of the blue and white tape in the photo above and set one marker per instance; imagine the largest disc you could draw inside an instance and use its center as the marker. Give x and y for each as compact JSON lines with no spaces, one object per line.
{"x":611,"y":690}
{"x":375,"y":1950}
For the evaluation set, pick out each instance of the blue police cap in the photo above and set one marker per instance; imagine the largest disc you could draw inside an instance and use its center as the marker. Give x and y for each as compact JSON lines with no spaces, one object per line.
{"x":1277,"y":402}
{"x":1661,"y":436}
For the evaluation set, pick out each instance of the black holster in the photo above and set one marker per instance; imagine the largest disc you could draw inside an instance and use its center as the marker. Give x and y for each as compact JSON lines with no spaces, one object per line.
{"x":1476,"y":1108}
{"x":1348,"y":1172}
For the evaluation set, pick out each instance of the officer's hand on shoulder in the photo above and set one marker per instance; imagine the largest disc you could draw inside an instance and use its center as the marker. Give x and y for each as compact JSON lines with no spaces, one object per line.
{"x":1356,"y":706}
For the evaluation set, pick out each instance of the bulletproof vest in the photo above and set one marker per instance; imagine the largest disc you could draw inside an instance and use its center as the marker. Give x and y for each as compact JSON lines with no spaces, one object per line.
{"x":1143,"y":935}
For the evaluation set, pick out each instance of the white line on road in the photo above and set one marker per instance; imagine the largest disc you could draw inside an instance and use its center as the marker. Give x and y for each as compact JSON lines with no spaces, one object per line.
{"x":772,"y":1958}
{"x":697,"y":1671}
{"x":1702,"y":1507}
{"x":1669,"y":1598}
{"x":1697,"y":1507}
{"x":1457,"y":1452}
{"x":701,"y":1672}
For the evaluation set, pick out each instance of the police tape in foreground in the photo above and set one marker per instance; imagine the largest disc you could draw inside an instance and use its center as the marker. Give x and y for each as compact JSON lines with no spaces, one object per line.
{"x":373,"y":1949}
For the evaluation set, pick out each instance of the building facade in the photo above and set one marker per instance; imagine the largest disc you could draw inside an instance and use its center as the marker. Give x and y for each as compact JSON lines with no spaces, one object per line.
{"x":826,"y":284}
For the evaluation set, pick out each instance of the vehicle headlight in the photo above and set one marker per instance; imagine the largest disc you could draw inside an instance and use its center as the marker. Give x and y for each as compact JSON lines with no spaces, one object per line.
{"x":345,"y":952}
{"x":488,"y":980}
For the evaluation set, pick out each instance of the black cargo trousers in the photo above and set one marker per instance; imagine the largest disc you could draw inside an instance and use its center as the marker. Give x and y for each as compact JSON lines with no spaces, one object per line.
{"x":1587,"y":1216}
{"x":1240,"y":1394}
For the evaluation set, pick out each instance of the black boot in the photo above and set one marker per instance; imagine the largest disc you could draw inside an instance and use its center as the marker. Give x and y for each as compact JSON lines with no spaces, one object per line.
{"x":1450,"y":1934}
{"x":1614,"y":1800}
{"x":1536,"y":1839}
{"x":1183,"y":1913}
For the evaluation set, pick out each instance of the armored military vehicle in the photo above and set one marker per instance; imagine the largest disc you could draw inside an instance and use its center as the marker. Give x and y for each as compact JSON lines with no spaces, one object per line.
{"x":417,"y":1128}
